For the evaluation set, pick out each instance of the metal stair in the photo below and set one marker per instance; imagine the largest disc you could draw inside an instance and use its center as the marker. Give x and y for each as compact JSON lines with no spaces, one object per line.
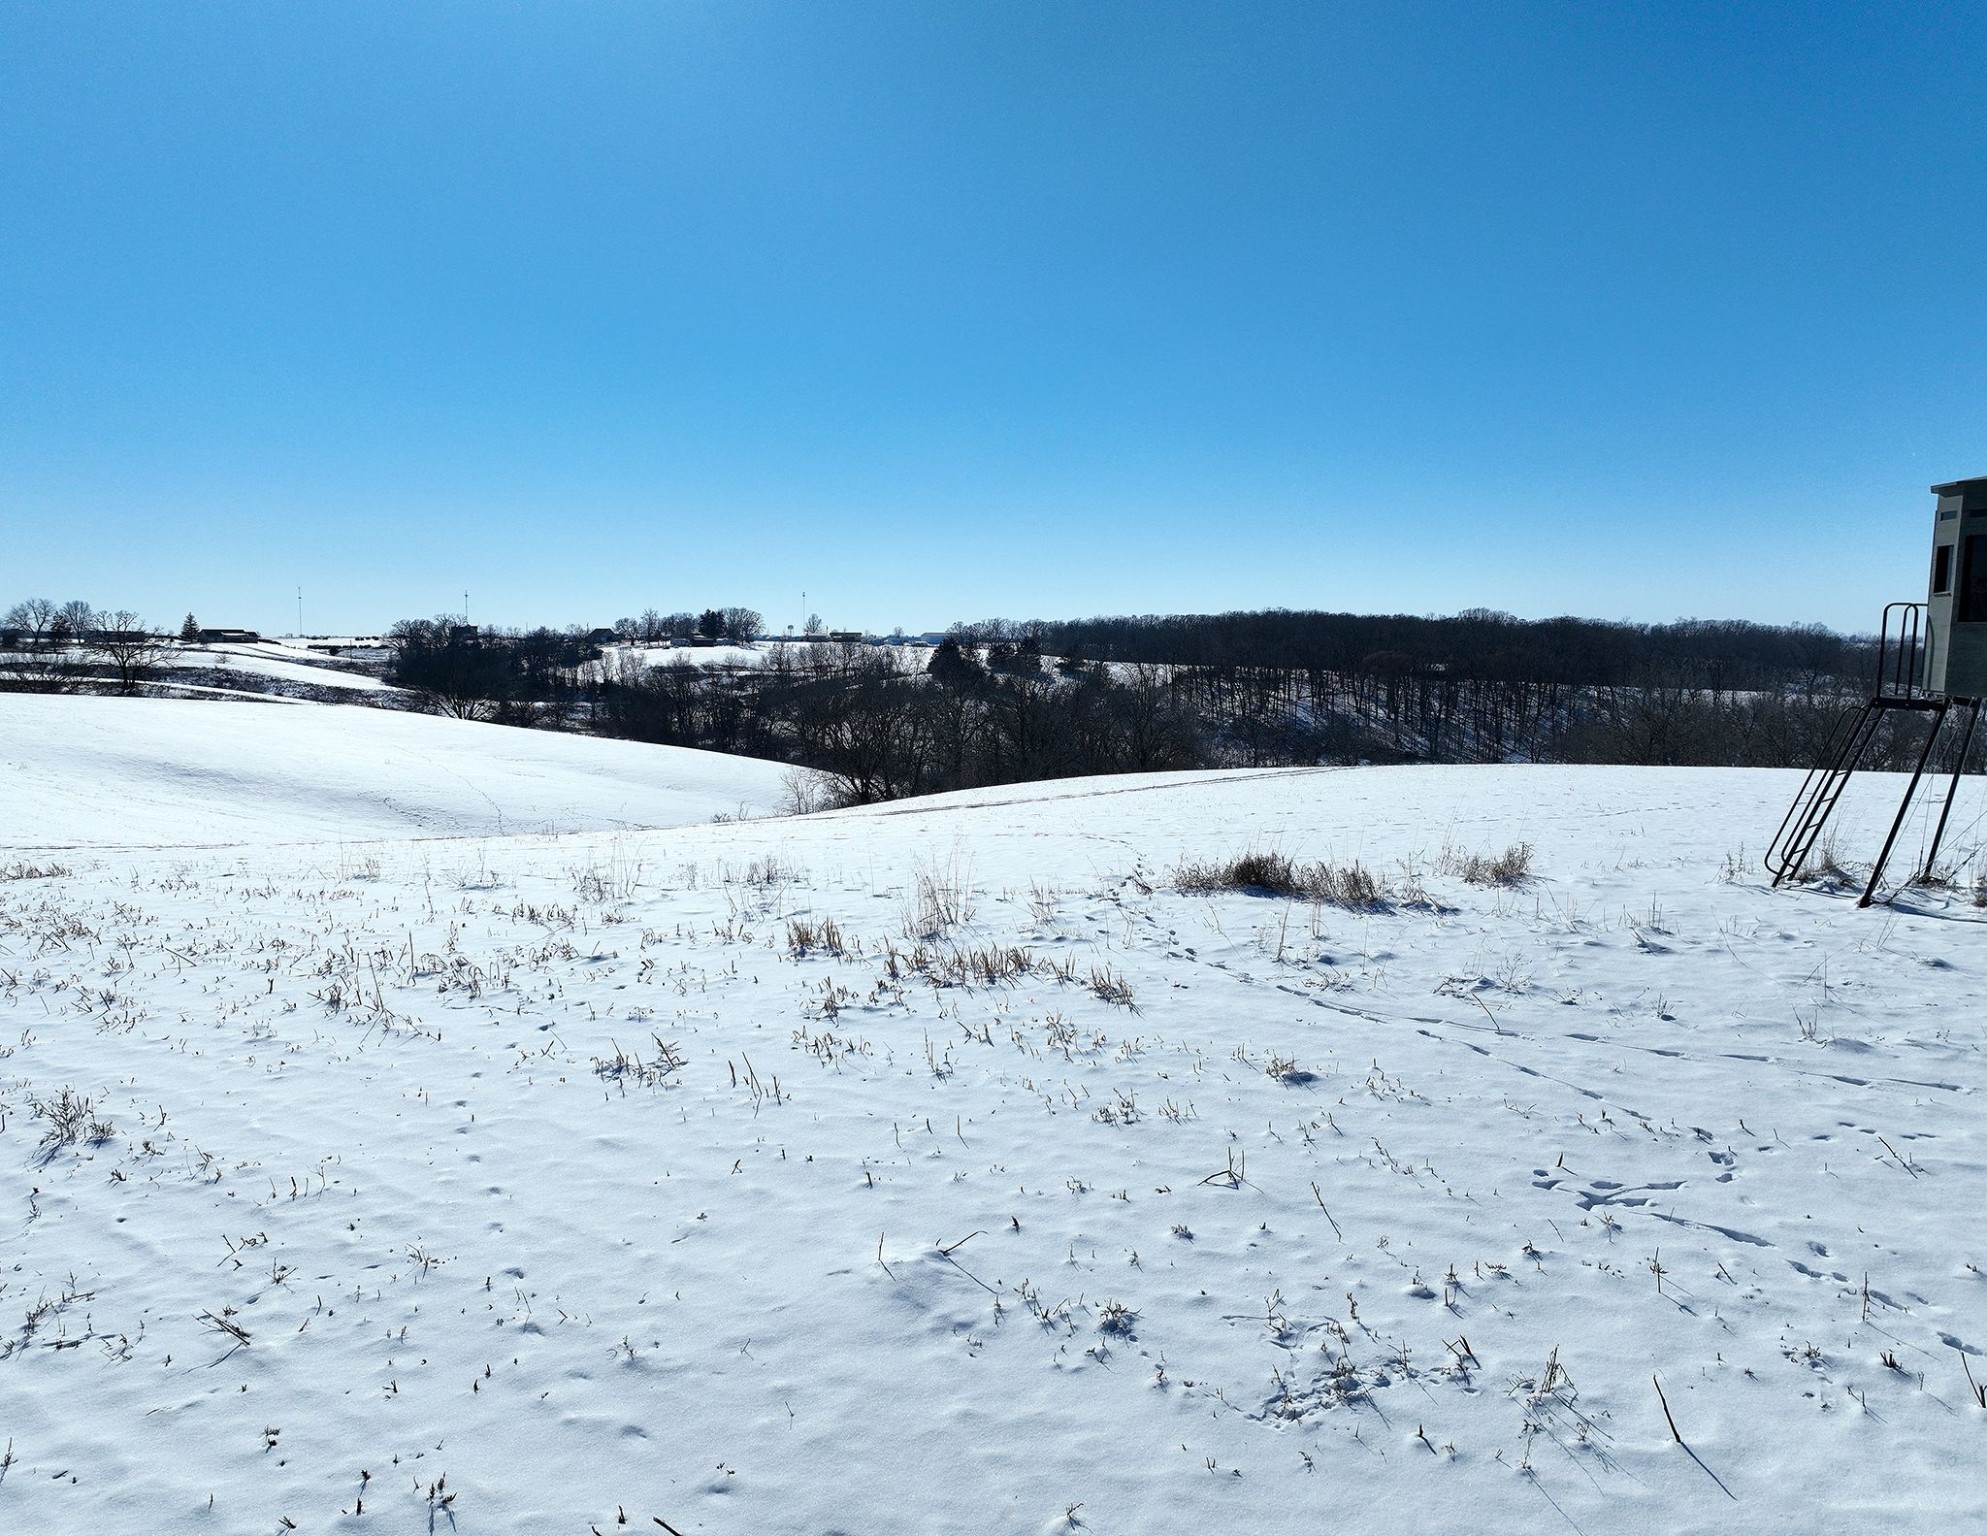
{"x":1900,"y":669}
{"x":1816,"y":799}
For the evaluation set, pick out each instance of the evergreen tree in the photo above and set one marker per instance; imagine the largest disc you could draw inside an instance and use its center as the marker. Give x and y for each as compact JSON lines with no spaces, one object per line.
{"x":954,"y":666}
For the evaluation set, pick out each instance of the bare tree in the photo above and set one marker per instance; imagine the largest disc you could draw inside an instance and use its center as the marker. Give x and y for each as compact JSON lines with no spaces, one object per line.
{"x":742,"y":625}
{"x":458,"y":673}
{"x":42,"y":666}
{"x":132,"y":651}
{"x":74,"y":622}
{"x":34,"y":619}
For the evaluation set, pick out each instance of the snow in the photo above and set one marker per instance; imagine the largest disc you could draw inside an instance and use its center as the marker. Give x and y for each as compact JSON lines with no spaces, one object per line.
{"x":685,"y":655}
{"x":280,"y":662}
{"x":901,"y":1248}
{"x":763,"y":653}
{"x":103,"y":772}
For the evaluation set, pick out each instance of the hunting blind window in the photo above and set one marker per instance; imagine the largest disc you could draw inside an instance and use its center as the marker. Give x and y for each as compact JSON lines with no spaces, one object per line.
{"x":1942,"y":570}
{"x":1972,"y":604}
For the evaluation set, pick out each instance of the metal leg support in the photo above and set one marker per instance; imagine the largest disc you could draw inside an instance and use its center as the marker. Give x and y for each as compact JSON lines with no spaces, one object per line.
{"x":1972,"y":707}
{"x":1904,"y":805}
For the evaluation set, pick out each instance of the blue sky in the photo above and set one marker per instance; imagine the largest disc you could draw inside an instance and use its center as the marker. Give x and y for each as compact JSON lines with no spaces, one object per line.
{"x":938,"y":311}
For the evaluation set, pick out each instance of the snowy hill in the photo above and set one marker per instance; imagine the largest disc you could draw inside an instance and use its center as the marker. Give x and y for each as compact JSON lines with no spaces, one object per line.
{"x":279,"y":663}
{"x":89,"y":772}
{"x":945,"y":1167}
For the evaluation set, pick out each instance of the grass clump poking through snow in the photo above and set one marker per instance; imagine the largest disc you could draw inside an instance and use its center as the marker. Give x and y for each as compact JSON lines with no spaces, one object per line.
{"x":771,"y":870}
{"x":1824,"y":864}
{"x":940,"y":899}
{"x":1511,"y":867}
{"x":1270,"y":873}
{"x":613,"y":878}
{"x":1109,"y":987}
{"x":20,"y":870}
{"x":804,"y":936}
{"x":623,"y":1068}
{"x":71,"y":1118}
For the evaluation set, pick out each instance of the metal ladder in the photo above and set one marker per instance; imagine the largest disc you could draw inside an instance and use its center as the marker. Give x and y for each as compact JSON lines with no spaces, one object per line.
{"x":1900,"y":659}
{"x":1816,"y":799}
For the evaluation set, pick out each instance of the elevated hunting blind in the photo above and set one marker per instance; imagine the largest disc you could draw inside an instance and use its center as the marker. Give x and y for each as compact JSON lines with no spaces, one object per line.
{"x":1931,"y":666}
{"x":1956,"y":607}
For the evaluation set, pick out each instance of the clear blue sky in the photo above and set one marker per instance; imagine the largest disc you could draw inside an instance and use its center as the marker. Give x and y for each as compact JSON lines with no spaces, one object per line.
{"x":940,"y":311}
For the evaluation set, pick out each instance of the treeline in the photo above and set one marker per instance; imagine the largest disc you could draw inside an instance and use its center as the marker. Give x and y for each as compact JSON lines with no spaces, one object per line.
{"x":1002,"y":702}
{"x":880,"y":723}
{"x":534,"y":676}
{"x":1478,"y":645}
{"x":1277,"y":686}
{"x":514,"y":677}
{"x":51,"y":647}
{"x":739,"y":626}
{"x":882,"y":726}
{"x":1263,"y":716}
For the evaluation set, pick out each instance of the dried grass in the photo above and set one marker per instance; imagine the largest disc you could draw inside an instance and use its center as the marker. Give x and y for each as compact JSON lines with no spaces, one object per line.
{"x":1270,"y":873}
{"x":1511,"y":867}
{"x":805,"y":936}
{"x":623,"y":1068}
{"x":19,"y":870}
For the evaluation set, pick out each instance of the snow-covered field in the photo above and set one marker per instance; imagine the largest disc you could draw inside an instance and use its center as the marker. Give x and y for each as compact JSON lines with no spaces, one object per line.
{"x":922,"y":1169}
{"x":685,"y":655}
{"x":909,"y":657}
{"x":282,"y":663}
{"x":78,"y":771}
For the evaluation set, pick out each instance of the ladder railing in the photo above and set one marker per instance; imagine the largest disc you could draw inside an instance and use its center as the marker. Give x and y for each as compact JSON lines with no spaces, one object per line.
{"x":1901,"y":652}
